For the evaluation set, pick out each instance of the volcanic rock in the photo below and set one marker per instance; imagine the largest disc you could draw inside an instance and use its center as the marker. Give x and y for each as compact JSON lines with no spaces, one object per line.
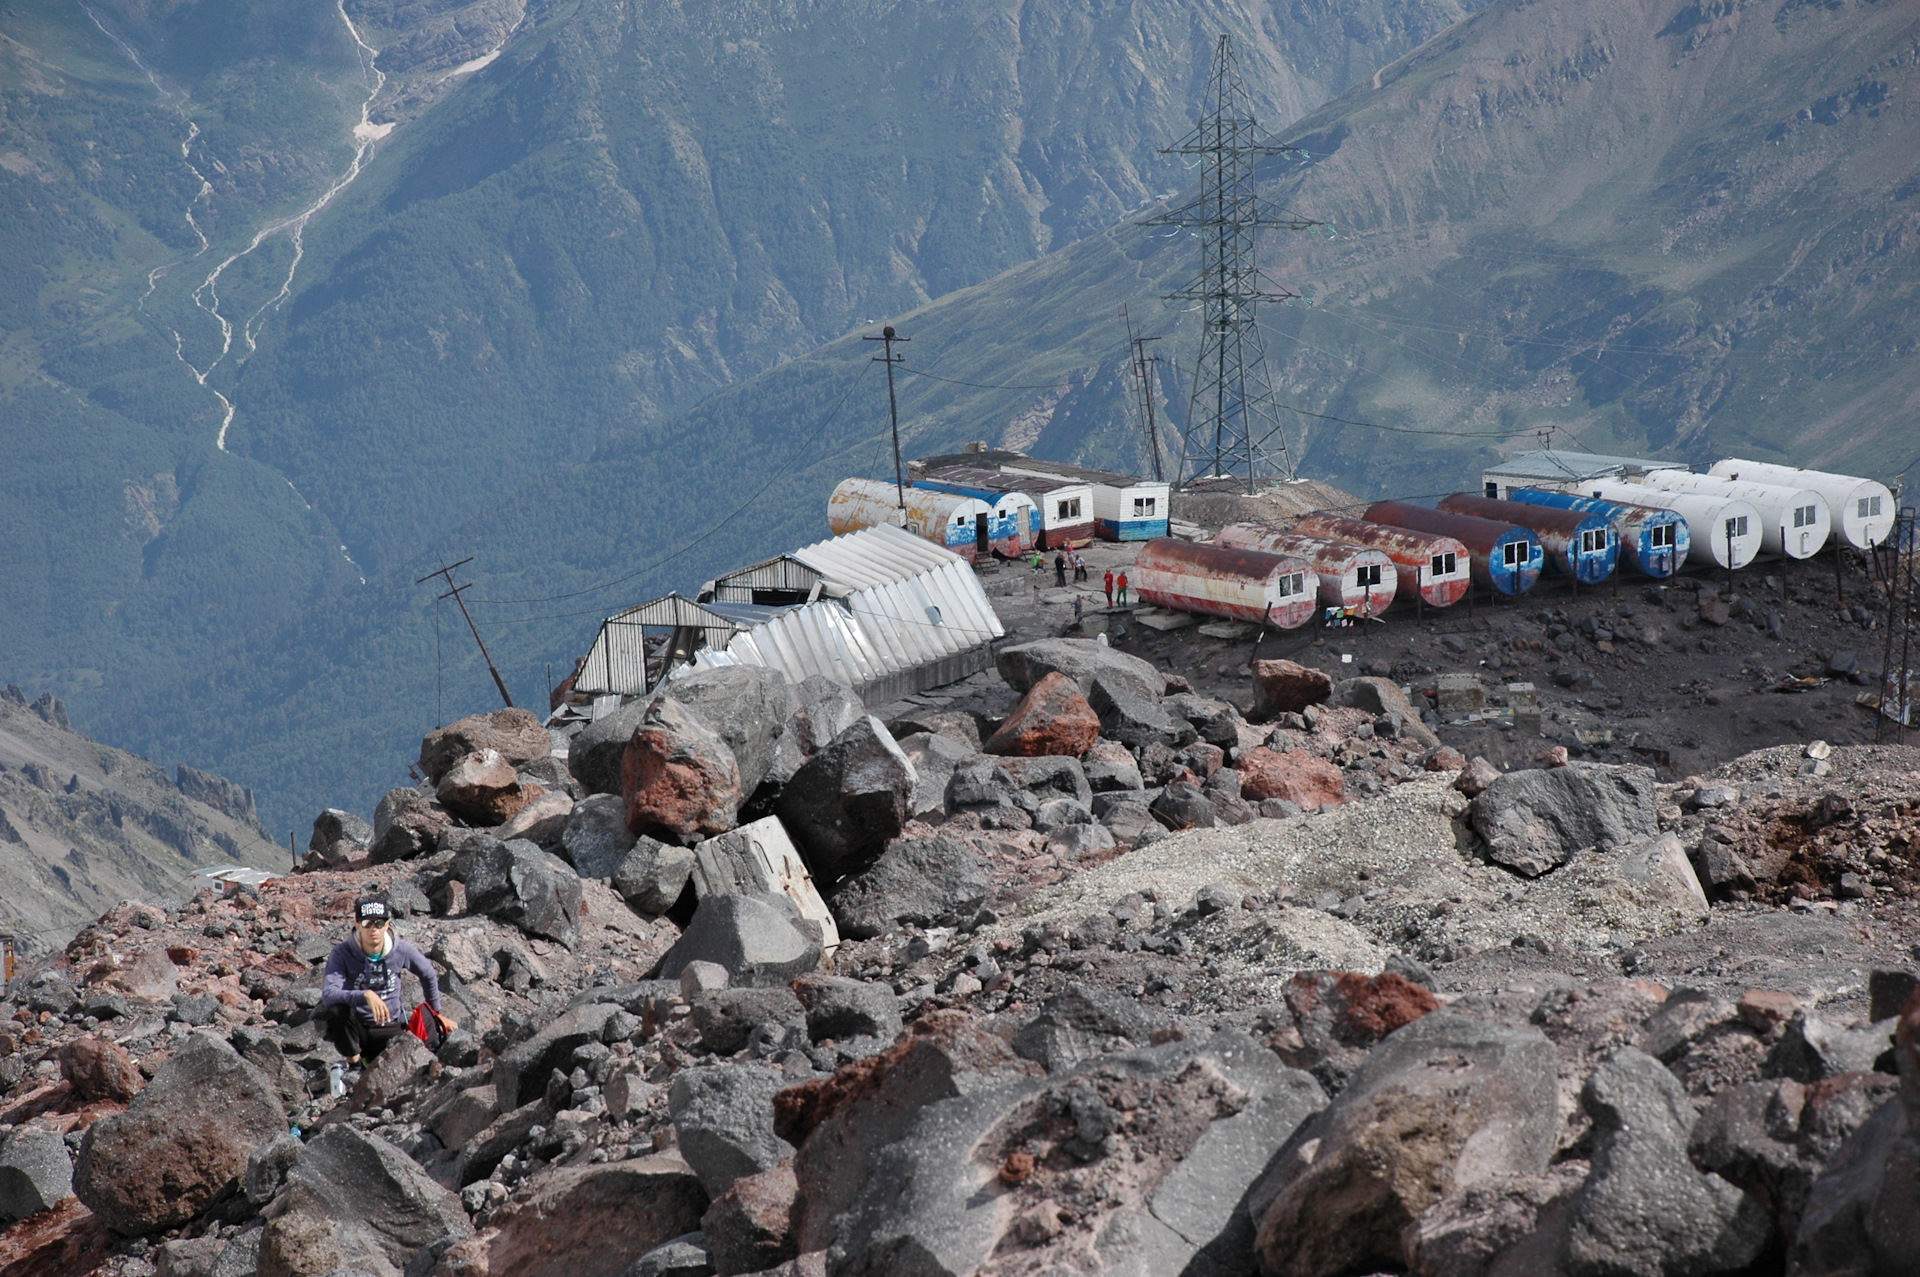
{"x":678,"y":777}
{"x":758,"y":939}
{"x":515,"y":735}
{"x":936,"y":881}
{"x":1293,"y":776}
{"x":1281,"y":687}
{"x":1052,"y":718}
{"x":1535,"y":820}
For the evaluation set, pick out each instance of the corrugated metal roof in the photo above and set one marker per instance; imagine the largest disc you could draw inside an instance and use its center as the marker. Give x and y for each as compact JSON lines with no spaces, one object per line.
{"x":1082,"y":474}
{"x":1000,"y":480}
{"x":1552,"y":463}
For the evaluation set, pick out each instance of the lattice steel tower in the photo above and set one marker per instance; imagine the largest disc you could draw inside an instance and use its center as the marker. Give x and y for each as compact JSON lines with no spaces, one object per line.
{"x":1233,"y":423}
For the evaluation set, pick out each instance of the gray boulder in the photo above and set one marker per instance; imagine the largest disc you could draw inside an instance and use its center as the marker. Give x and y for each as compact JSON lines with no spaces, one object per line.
{"x":1058,"y":813}
{"x":652,"y":875}
{"x":760,"y":940}
{"x":726,"y":1018}
{"x":1049,"y":777}
{"x":925,"y":882}
{"x":267,"y":1168}
{"x":1644,"y":1210}
{"x":1535,"y":820}
{"x":849,"y":800}
{"x":723,"y":1117}
{"x":823,"y":709}
{"x":1109,"y":768}
{"x":521,"y":885}
{"x":1136,"y":720}
{"x":596,"y":839}
{"x":35,"y":1173}
{"x":1082,"y":1021}
{"x":338,"y":837}
{"x":984,"y":788}
{"x":1082,"y":660}
{"x":686,"y":1256}
{"x":1380,"y":696}
{"x":520,"y":1074}
{"x":1184,"y":806}
{"x":594,"y":754}
{"x":747,"y":705}
{"x":240,"y":1258}
{"x":180,"y":1142}
{"x":841,"y":1009}
{"x":1810,"y":1048}
{"x":354,"y":1200}
{"x":407,"y":823}
{"x":1863,"y":1213}
{"x":934,"y":758}
{"x":1217,"y":722}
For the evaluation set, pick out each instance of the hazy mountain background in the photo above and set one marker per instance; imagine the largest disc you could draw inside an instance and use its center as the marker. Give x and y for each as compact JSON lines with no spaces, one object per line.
{"x":594,"y":299}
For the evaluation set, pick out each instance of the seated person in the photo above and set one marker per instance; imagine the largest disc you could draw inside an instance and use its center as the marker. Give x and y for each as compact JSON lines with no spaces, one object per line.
{"x":360,"y":997}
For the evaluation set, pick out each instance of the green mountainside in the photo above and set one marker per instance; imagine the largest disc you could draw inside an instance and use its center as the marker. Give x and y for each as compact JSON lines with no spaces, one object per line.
{"x":592,"y":313}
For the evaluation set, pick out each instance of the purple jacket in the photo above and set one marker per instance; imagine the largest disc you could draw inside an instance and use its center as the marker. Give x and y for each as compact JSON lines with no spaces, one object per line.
{"x":350,"y":973}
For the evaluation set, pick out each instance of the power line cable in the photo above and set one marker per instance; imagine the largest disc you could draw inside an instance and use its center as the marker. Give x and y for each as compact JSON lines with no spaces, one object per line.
{"x":977,"y":385}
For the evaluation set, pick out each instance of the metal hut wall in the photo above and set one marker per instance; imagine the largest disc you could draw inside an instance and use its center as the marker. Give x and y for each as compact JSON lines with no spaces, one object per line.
{"x":1124,"y":508}
{"x":1575,"y":543}
{"x":1862,"y":509}
{"x":1012,"y":531}
{"x":1436,"y":569}
{"x":1707,"y":514}
{"x":1216,"y":580}
{"x":1066,"y":509}
{"x":1570,"y":471}
{"x":1351,"y":576}
{"x":1654,"y":540}
{"x":956,"y":523}
{"x":1795,"y":521}
{"x":1506,"y":558}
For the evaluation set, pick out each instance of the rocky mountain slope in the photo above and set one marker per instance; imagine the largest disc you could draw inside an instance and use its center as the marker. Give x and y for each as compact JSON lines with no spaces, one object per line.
{"x":86,"y":826}
{"x":1124,"y":979}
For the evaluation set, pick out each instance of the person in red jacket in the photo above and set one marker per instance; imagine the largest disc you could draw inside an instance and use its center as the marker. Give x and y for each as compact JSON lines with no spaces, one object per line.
{"x":1108,"y":582}
{"x":1121,"y":584}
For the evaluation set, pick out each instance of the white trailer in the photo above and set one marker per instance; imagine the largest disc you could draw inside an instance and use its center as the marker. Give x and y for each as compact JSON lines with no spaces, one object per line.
{"x":1723,"y":529}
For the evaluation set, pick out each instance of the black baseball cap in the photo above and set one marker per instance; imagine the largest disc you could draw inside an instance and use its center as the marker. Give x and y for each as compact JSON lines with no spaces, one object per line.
{"x":372,"y":909}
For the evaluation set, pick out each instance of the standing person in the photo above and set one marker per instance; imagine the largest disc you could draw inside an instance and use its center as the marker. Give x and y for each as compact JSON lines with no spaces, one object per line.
{"x":1122,"y":586}
{"x":1108,"y":582}
{"x":360,"y":994}
{"x":1060,"y":570}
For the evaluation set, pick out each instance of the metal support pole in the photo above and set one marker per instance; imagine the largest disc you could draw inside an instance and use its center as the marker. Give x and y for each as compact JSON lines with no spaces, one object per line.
{"x":454,"y":592}
{"x":889,"y":336}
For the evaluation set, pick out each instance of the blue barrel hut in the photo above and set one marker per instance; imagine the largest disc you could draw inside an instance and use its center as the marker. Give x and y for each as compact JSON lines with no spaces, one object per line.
{"x":1506,"y":558}
{"x":1582,"y":546}
{"x":1654,"y":540}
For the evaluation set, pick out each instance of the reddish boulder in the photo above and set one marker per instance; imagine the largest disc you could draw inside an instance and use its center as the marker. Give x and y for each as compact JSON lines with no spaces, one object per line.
{"x":586,"y":1221}
{"x":1281,"y":687}
{"x":1445,"y":759}
{"x":514,"y":734}
{"x":1476,"y":776}
{"x":1341,"y":1015}
{"x":678,"y":777}
{"x":1298,"y":777}
{"x":1767,"y":1009}
{"x":99,"y":1069}
{"x":484,"y":789}
{"x":1052,"y":718}
{"x":750,"y":1227}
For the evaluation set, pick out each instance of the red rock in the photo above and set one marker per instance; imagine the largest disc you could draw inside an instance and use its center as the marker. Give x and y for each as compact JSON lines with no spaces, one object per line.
{"x":67,"y":1241}
{"x":750,"y":1227}
{"x":1052,"y":718}
{"x":1714,"y":609}
{"x":1204,"y":759}
{"x":484,"y":789}
{"x":1281,"y":686}
{"x":1445,"y":759}
{"x":1476,"y":776}
{"x":678,"y":777}
{"x":1340,"y":1015}
{"x":1766,"y":1009}
{"x":1309,"y":783}
{"x":585,"y":1221}
{"x":99,"y":1069}
{"x":515,"y":734}
{"x":1555,"y":757}
{"x":182,"y":955}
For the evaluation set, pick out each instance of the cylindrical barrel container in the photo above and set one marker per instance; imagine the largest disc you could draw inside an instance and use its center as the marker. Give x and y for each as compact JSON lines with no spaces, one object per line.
{"x":1506,"y":557}
{"x":1435,"y":569}
{"x":1794,"y":521}
{"x":1575,"y":543}
{"x":1351,"y":576}
{"x":1653,"y":540}
{"x":1862,"y":510}
{"x":1215,"y":580}
{"x":961,"y":524}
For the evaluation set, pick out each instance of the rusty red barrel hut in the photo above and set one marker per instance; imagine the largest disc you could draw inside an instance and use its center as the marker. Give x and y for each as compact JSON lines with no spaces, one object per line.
{"x":1215,"y":580}
{"x":1435,"y":569}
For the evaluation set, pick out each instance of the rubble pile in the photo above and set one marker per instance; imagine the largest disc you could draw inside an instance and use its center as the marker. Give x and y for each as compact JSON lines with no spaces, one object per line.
{"x":1126,"y":980}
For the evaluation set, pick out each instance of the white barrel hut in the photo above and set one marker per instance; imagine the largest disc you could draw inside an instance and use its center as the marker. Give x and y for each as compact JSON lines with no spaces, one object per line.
{"x":1351,"y":576}
{"x":1795,"y":520}
{"x":1722,"y":530}
{"x":1862,"y":509}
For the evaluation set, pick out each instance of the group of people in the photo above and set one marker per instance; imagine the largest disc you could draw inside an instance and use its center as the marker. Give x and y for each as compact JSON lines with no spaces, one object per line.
{"x":1061,"y":562}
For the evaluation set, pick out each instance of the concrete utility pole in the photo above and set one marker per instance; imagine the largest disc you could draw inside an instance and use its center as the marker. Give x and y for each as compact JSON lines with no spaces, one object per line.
{"x":889,"y":336}
{"x":454,"y":592}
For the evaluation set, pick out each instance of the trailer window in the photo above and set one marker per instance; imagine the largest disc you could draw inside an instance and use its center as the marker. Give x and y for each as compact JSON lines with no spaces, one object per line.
{"x":1662,"y":536}
{"x":1740,"y":526}
{"x":1143,"y":507}
{"x":1442,"y":565}
{"x":1069,"y":509}
{"x":1493,"y":491}
{"x":1368,"y":575}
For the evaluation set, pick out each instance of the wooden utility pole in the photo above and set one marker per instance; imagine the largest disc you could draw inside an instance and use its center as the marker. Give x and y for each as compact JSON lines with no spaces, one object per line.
{"x":453,"y":592}
{"x":889,"y":336}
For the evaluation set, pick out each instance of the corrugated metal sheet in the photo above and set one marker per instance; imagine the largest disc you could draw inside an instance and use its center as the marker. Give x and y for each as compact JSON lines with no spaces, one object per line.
{"x":1862,"y":510}
{"x":941,"y":518}
{"x":1552,"y":466}
{"x":782,"y":575}
{"x":1218,"y":580}
{"x":1577,"y":543}
{"x":1506,"y":558}
{"x":616,"y":664}
{"x":1436,"y":568}
{"x":1350,"y":576}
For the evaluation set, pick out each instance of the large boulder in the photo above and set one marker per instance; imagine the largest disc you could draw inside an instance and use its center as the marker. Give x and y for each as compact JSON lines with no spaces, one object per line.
{"x":1341,"y":1015}
{"x":520,"y":1073}
{"x":35,"y":1173}
{"x":338,"y":837}
{"x":542,"y":821}
{"x":823,"y":709}
{"x":1083,"y":1021}
{"x":1046,"y":779}
{"x":521,"y":885}
{"x":679,"y":778}
{"x":759,"y":859}
{"x":596,"y":840}
{"x":749,"y":1228}
{"x":723,"y":1117}
{"x":355,"y":1201}
{"x":1291,"y":775}
{"x":181,"y":1141}
{"x":485,"y":789}
{"x":1281,"y":687}
{"x":407,"y":823}
{"x":934,"y":757}
{"x":760,"y":940}
{"x":1445,"y":1102}
{"x":841,"y":1008}
{"x":98,"y":1068}
{"x":1644,"y":1210}
{"x":1108,"y":768}
{"x":652,"y":875}
{"x":1536,"y":820}
{"x":588,"y":1221}
{"x":938,"y":881}
{"x":1081,"y":660}
{"x":747,"y":705}
{"x":726,"y":1018}
{"x":1380,"y":696}
{"x":849,"y":800}
{"x":1134,"y":719}
{"x":516,"y":735}
{"x":594,"y":754}
{"x":1052,"y":718}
